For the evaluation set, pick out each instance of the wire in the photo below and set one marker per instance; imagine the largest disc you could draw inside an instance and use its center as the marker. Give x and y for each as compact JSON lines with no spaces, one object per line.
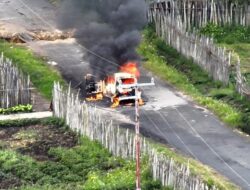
{"x":99,"y":56}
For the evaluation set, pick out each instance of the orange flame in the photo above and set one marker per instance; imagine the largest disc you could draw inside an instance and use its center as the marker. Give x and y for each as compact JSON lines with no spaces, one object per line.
{"x":110,"y":80}
{"x":95,"y":97}
{"x":131,"y":68}
{"x":128,"y":81}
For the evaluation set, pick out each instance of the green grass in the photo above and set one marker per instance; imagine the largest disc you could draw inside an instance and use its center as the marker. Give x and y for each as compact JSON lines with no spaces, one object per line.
{"x":55,"y":2}
{"x":42,"y":75}
{"x":85,"y":166}
{"x":234,"y":38}
{"x":170,"y":66}
{"x":196,"y":168}
{"x":241,"y":50}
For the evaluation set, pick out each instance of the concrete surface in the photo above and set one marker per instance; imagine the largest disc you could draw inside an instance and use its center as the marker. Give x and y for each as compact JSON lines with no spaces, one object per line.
{"x":35,"y":115}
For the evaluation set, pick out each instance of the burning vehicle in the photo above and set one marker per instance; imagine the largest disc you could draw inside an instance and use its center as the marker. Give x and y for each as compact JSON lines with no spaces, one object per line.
{"x":120,"y":87}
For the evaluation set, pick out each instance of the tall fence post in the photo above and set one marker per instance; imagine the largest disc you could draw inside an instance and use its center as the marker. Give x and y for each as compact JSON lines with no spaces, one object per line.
{"x":14,"y":86}
{"x":89,"y":121}
{"x":248,"y":15}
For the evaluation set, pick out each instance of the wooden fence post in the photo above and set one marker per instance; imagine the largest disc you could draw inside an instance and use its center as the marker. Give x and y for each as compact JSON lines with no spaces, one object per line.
{"x":14,"y":86}
{"x":88,"y":121}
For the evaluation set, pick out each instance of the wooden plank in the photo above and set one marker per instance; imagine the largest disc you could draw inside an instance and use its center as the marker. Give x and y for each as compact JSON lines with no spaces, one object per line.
{"x":14,"y":86}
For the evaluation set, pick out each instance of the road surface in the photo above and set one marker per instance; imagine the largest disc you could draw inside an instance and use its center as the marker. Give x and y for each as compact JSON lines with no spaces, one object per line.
{"x":167,"y":117}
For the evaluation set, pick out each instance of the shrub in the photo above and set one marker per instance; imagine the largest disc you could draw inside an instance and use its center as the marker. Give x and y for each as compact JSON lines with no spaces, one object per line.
{"x":17,"y":109}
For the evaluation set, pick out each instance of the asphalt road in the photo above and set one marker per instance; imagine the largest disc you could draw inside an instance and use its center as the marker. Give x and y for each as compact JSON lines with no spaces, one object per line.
{"x":167,"y":117}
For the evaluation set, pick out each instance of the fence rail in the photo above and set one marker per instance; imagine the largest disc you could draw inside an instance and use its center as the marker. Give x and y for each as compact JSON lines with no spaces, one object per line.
{"x":241,"y":84}
{"x":215,"y":60}
{"x":89,"y":121}
{"x":197,"y":14}
{"x":14,"y":86}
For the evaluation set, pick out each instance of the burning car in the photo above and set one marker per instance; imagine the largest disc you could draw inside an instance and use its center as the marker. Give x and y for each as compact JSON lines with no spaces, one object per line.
{"x":120,"y":87}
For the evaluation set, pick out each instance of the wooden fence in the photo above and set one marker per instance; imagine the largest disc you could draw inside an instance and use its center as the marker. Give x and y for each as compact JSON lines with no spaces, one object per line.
{"x":90,"y":122}
{"x":242,"y":87}
{"x":215,"y":60}
{"x":196,"y":13}
{"x":14,"y":86}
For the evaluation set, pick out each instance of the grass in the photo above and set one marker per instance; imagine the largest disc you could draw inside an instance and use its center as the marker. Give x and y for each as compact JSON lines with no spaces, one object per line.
{"x":235,"y":39}
{"x":241,"y":50}
{"x":87,"y":165}
{"x":55,"y":2}
{"x":42,"y":75}
{"x":170,"y":66}
{"x":196,"y":168}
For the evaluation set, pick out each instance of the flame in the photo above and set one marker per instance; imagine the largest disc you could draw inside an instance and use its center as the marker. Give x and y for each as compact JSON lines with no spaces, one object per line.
{"x":128,"y":81}
{"x":131,"y":68}
{"x":141,"y":102}
{"x":110,"y":80}
{"x":116,"y":102}
{"x":95,"y":97}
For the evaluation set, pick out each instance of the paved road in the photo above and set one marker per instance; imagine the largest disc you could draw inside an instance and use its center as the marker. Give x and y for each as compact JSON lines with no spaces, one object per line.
{"x":167,"y":117}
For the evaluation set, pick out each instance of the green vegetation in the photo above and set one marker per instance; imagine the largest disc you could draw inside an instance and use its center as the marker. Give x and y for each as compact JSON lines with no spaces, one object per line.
{"x":27,"y":122}
{"x":41,"y":74}
{"x":169,"y":65}
{"x":55,"y":2}
{"x":228,"y":34}
{"x":16,"y":109}
{"x":234,"y":38}
{"x":206,"y":173}
{"x":87,"y":165}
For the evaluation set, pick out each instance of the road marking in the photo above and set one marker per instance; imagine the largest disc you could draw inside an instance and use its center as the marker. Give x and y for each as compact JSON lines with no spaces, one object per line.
{"x":180,"y":139}
{"x":159,"y":130}
{"x":211,"y":149}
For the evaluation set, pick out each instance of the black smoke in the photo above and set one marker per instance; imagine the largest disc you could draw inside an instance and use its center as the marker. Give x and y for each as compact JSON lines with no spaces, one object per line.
{"x":108,"y":28}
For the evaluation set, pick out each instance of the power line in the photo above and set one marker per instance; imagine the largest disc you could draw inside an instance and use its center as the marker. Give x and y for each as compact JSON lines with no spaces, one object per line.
{"x":52,"y":27}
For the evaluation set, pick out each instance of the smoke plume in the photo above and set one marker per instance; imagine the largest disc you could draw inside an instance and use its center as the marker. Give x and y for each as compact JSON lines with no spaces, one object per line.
{"x":108,"y":28}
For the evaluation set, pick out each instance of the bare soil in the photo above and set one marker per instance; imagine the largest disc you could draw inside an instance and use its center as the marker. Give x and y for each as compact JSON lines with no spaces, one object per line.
{"x":36,"y":141}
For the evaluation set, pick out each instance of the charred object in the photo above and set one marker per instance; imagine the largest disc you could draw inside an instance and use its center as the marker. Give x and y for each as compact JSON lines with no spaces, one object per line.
{"x":119,"y":88}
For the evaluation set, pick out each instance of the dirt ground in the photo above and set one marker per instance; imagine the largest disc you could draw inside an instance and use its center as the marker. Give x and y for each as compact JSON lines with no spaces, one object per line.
{"x":35,"y":141}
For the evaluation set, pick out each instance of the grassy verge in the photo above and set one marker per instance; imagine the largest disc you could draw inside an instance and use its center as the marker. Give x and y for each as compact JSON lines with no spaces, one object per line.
{"x":85,"y":165}
{"x":41,"y":74}
{"x":235,"y":39}
{"x":243,"y":51}
{"x":209,"y":176}
{"x":169,"y":65}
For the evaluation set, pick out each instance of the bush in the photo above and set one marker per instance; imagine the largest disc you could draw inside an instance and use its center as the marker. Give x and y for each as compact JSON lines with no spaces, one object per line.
{"x":17,"y":109}
{"x":41,"y":74}
{"x":52,"y":121}
{"x":229,"y":34}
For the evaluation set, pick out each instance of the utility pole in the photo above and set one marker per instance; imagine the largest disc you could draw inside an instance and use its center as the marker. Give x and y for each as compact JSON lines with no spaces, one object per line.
{"x":137,"y":139}
{"x":136,"y":97}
